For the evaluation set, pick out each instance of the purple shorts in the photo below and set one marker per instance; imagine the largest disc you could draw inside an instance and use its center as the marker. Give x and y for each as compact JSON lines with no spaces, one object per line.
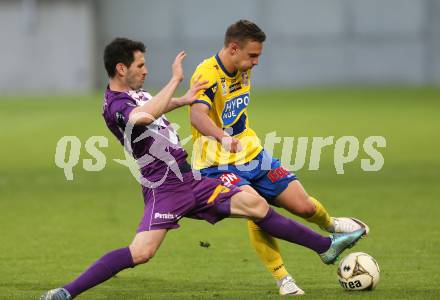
{"x":206,"y":199}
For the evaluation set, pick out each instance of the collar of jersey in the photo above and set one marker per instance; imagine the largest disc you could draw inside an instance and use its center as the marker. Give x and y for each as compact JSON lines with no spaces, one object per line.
{"x":223,"y":67}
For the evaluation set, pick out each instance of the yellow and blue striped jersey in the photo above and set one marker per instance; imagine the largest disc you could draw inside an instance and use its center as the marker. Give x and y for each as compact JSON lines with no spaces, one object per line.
{"x":227,"y":96}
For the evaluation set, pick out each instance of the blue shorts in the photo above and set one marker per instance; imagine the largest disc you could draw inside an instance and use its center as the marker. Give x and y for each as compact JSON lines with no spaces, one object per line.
{"x":264,"y":173}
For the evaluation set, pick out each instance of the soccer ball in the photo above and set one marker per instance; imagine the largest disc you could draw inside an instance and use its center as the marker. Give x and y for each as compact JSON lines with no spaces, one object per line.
{"x":358,"y":271}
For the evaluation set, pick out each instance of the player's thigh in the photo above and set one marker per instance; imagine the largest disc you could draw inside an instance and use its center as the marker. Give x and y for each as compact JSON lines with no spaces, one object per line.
{"x":145,"y":244}
{"x":296,"y":200}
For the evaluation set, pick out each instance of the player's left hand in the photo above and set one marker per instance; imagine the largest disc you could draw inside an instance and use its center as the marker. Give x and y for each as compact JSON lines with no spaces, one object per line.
{"x":192,"y":93}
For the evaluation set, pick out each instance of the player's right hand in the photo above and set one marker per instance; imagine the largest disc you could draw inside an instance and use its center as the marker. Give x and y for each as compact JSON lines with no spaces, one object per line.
{"x":177,"y":68}
{"x":231,"y":144}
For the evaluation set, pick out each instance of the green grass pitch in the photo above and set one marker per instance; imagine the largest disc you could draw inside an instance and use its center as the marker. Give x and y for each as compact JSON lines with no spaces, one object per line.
{"x":51,"y":229}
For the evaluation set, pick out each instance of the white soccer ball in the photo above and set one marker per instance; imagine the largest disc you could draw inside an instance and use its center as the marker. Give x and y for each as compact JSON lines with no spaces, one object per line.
{"x":358,"y":271}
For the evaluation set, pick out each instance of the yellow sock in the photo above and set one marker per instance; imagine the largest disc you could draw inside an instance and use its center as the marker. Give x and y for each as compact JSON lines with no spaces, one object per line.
{"x":321,"y":216}
{"x":268,"y":251}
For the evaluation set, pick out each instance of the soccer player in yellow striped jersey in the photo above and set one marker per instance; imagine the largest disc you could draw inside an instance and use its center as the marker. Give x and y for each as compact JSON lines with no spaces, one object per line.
{"x":226,"y":147}
{"x":227,"y":97}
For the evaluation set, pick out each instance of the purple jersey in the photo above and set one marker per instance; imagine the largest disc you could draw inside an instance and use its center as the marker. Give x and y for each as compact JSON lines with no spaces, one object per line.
{"x":157,"y":151}
{"x":155,"y":147}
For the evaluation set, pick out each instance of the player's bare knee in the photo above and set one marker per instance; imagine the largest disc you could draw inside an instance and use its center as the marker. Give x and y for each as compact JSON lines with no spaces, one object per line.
{"x":307,"y":208}
{"x":258,"y":207}
{"x":142,"y":255}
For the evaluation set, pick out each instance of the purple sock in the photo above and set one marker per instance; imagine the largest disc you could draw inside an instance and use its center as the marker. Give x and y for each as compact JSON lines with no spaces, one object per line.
{"x":286,"y":229}
{"x":103,"y":269}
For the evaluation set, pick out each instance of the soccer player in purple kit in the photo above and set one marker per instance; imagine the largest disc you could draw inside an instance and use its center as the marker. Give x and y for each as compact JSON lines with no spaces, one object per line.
{"x":155,"y":146}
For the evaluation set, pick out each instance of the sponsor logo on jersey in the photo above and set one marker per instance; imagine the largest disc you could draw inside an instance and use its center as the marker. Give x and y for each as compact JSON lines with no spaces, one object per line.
{"x":233,"y":107}
{"x":166,"y":216}
{"x":224,"y":87}
{"x":235,"y":86}
{"x":230,"y":178}
{"x":277,"y":174}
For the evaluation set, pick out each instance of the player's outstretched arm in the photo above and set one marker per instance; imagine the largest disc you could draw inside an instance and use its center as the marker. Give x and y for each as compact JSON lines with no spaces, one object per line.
{"x":189,"y":97}
{"x":206,"y":126}
{"x":155,"y":107}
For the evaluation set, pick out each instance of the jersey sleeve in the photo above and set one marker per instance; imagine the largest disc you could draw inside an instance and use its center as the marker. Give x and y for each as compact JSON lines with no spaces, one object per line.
{"x":206,"y":96}
{"x":120,"y":110}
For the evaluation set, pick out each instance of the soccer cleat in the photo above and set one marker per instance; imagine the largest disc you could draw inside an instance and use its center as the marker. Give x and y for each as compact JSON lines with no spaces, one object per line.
{"x":343,"y":224}
{"x":288,"y":287}
{"x":56,"y":294}
{"x":340,"y":242}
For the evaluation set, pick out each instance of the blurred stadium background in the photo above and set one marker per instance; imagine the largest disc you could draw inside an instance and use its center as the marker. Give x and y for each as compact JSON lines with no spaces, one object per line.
{"x":329,"y":68}
{"x":57,"y":45}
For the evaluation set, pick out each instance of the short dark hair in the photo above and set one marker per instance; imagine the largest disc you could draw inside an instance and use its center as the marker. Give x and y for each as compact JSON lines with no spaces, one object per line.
{"x":243,"y":31}
{"x":120,"y":50}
